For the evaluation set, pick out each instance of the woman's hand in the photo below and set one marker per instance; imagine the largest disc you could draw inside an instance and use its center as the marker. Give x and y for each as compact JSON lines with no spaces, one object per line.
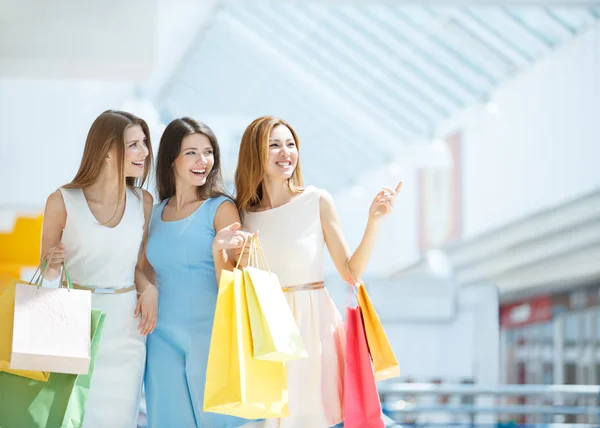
{"x":243,"y":252}
{"x":147,"y":307}
{"x":56,"y":256}
{"x":383,"y":204}
{"x":229,"y":238}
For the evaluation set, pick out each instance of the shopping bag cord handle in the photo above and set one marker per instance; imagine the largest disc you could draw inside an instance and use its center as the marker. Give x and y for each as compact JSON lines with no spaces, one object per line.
{"x":39,"y":274}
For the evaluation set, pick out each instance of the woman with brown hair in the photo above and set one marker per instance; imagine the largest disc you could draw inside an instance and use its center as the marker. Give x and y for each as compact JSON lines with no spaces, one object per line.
{"x":186,"y":253}
{"x":95,"y":226}
{"x":295,"y":223}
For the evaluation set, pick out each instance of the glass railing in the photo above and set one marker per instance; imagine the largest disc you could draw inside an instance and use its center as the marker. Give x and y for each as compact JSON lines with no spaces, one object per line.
{"x":414,"y":404}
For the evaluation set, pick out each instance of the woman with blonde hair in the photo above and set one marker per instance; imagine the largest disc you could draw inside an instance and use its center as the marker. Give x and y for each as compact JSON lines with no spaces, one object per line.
{"x":295,"y":224}
{"x":95,"y":226}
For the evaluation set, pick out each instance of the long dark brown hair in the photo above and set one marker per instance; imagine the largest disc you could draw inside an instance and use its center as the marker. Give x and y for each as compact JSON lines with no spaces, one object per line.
{"x":108,"y":131}
{"x":253,"y":156}
{"x":168,"y":151}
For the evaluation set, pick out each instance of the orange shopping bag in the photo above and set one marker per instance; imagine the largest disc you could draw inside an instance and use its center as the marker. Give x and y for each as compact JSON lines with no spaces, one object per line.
{"x":384,"y":361}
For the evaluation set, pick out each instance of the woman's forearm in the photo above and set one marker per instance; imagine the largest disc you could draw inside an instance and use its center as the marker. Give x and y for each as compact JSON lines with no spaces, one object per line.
{"x":360,"y":258}
{"x":143,"y":280}
{"x":222,"y":262}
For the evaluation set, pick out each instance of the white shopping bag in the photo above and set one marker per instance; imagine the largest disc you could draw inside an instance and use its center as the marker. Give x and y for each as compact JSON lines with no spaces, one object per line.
{"x":51,"y":331}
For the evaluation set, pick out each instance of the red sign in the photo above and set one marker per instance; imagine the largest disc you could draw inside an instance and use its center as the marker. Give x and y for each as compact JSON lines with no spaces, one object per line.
{"x":527,"y":312}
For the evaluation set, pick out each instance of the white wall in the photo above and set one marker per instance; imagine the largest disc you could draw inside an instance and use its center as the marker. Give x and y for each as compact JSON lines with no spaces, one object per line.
{"x":44,"y":122}
{"x":542,"y":148}
{"x":43,"y":126}
{"x":463,"y":348}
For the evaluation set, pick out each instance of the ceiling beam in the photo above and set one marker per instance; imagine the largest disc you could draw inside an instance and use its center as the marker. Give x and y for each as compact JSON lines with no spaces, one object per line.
{"x":458,"y":3}
{"x":263,"y":78}
{"x":354,"y":113}
{"x":198,"y":15}
{"x":342,"y":76}
{"x":393,"y":55}
{"x":338,"y":50}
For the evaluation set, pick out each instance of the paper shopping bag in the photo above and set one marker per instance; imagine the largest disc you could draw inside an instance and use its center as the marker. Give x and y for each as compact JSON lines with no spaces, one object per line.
{"x":275,"y":334}
{"x":60,"y":402}
{"x":51,"y":330}
{"x":384,"y":360}
{"x":7,"y":314}
{"x":362,"y":408}
{"x":236,"y":383}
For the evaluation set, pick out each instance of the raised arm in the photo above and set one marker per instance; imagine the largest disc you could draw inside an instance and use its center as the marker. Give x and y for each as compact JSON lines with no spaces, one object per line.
{"x":351,"y":266}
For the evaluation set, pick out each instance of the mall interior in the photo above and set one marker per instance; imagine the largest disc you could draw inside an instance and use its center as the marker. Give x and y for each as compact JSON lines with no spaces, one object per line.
{"x":486,"y":275}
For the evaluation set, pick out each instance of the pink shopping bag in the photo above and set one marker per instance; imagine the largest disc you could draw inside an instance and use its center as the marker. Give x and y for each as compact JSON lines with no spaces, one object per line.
{"x":362,"y":408}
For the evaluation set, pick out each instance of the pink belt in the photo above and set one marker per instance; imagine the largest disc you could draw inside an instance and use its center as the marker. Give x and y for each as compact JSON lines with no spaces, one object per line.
{"x":303,"y":287}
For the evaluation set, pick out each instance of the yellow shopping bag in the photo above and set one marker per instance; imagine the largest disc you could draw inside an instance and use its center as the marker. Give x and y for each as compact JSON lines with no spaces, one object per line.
{"x":384,"y":361}
{"x":16,"y":250}
{"x":275,"y":334}
{"x":236,"y":383}
{"x":7,"y":313}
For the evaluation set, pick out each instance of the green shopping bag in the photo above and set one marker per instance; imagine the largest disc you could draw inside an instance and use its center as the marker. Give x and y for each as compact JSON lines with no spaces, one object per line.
{"x":58,"y":403}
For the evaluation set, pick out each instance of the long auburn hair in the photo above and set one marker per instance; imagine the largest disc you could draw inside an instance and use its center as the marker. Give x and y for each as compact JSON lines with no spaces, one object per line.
{"x":108,"y":131}
{"x":168,"y":151}
{"x":253,"y":156}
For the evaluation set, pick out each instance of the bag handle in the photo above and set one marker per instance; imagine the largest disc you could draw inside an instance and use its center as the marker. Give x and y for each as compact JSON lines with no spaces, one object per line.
{"x":252,"y":256}
{"x":237,"y":265}
{"x":40,"y":273}
{"x":65,"y":278}
{"x":256,"y":256}
{"x":351,"y":280}
{"x":259,"y":254}
{"x":354,"y":284}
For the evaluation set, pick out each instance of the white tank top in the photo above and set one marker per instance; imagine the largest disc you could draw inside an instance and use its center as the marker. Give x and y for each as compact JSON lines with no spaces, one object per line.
{"x":98,"y":256}
{"x":292,"y":238}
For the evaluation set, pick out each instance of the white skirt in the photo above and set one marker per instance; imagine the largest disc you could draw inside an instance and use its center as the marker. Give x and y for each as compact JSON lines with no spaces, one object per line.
{"x":114,"y":397}
{"x":316,"y":383}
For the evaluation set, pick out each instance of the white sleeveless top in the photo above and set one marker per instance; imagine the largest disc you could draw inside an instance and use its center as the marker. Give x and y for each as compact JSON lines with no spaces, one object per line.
{"x":96,"y":255}
{"x":294,"y":245}
{"x":292,"y":238}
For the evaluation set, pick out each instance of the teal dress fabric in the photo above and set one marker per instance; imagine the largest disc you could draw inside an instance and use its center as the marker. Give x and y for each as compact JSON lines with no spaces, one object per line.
{"x":177,"y":351}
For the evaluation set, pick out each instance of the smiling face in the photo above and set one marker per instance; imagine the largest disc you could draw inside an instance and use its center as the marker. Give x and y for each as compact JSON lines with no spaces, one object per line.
{"x":283,"y":154}
{"x":136,"y":151}
{"x":195,"y":161}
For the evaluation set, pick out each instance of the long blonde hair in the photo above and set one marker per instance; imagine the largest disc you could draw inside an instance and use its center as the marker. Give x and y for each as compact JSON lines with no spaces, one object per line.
{"x":252,"y":158}
{"x":108,"y":131}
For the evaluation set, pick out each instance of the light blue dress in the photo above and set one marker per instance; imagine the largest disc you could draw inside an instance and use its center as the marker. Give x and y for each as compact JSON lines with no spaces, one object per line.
{"x":177,"y":351}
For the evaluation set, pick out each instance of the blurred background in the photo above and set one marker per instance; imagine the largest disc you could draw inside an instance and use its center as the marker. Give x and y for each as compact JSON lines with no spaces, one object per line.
{"x":486,"y":276}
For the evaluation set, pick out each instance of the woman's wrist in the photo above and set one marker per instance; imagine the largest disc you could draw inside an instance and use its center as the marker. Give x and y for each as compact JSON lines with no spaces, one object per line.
{"x":373,"y":223}
{"x":52,"y":273}
{"x":217,"y":246}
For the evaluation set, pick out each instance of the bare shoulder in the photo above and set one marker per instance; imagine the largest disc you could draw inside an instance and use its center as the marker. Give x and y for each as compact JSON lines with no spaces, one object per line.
{"x":148,"y":203}
{"x":55,"y":203}
{"x":226,"y":214}
{"x":148,"y":199}
{"x":227,"y":208}
{"x":326,"y":203}
{"x":55,"y":207}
